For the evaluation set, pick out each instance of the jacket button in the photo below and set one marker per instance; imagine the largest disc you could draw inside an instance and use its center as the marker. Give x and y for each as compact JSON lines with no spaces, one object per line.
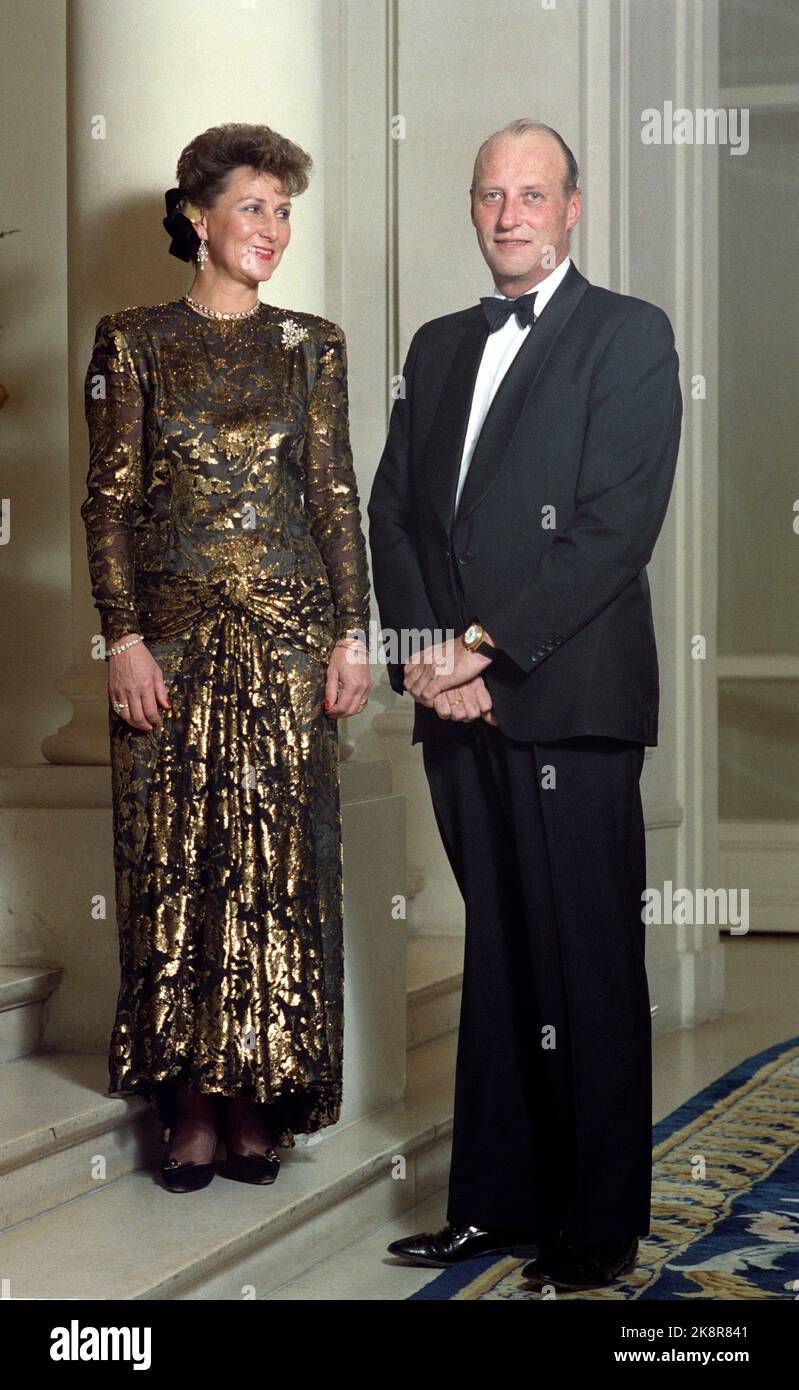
{"x":463,"y":559}
{"x":446,"y":555}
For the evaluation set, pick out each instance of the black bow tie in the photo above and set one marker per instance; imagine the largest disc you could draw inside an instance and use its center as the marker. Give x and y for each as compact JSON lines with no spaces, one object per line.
{"x":498,"y":311}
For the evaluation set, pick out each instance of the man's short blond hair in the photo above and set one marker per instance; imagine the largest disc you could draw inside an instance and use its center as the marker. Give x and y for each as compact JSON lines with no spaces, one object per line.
{"x":522,"y":127}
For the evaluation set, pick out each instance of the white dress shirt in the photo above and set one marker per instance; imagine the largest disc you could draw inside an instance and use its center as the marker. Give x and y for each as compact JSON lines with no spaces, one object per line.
{"x":500,"y":349}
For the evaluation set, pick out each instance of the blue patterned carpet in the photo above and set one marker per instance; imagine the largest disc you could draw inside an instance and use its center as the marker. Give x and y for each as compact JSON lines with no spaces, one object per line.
{"x":728,"y":1232}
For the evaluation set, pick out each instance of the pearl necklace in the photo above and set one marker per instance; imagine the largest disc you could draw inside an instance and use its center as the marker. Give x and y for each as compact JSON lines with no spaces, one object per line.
{"x":218,"y":314}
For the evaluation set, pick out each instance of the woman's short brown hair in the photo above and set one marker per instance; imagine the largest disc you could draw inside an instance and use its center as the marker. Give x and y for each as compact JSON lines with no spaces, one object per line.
{"x":206,"y":163}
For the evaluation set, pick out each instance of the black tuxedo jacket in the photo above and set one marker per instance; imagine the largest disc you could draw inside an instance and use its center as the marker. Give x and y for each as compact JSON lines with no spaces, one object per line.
{"x":560,"y":510}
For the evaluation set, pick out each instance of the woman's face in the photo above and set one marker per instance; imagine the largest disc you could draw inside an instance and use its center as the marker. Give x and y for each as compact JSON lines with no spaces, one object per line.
{"x":248,"y":227}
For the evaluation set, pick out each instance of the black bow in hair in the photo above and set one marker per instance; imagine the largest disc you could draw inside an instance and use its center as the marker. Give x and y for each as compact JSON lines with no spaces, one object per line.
{"x":184,"y":238}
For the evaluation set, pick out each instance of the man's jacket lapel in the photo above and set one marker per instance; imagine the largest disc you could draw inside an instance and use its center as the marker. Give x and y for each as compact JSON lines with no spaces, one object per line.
{"x":446,"y":436}
{"x":444,"y":446}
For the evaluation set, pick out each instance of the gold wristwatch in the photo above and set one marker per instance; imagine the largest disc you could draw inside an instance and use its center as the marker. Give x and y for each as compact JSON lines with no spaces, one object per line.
{"x":473,"y":640}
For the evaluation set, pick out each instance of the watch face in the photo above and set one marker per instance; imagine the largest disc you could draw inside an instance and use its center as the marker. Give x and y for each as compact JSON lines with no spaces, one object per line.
{"x":470,"y":633}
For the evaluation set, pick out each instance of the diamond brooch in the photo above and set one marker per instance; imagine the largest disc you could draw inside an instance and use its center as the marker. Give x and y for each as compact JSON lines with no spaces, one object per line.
{"x":293,"y":333}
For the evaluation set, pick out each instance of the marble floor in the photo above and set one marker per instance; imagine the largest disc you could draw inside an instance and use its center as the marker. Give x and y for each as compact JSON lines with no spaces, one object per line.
{"x":762,"y":1008}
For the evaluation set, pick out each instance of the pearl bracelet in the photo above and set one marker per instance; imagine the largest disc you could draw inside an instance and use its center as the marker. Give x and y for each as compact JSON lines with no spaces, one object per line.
{"x":114,"y":651}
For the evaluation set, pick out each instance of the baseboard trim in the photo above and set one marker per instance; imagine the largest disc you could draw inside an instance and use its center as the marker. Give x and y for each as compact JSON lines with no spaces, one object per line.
{"x":763,"y":856}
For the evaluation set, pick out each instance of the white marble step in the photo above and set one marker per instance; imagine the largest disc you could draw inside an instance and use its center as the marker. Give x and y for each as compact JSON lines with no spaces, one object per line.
{"x":61,"y":1135}
{"x":24,"y":990}
{"x":435,"y":977}
{"x":362,"y":1271}
{"x":130,"y":1238}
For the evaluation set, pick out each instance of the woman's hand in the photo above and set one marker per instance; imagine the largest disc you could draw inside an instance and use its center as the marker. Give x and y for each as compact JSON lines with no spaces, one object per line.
{"x":348,"y":680}
{"x":136,"y":682}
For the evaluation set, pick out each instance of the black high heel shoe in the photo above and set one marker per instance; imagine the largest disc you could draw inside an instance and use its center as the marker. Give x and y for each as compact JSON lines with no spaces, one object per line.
{"x":186,"y":1176}
{"x":258,"y":1168}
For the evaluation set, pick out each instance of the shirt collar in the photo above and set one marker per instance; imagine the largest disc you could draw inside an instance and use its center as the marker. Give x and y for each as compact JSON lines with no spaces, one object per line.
{"x":545,"y":288}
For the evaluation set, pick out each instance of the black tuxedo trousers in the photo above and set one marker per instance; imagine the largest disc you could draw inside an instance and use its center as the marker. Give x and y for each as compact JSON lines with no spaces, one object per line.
{"x":553,"y":1101}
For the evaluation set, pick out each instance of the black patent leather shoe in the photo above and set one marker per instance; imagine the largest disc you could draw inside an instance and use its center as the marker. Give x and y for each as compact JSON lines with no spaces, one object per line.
{"x":186,"y":1177}
{"x":258,"y":1168}
{"x":453,"y":1243}
{"x":571,"y":1265}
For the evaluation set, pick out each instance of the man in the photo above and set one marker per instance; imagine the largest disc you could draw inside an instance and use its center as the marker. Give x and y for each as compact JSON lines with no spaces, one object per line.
{"x":523,"y":485}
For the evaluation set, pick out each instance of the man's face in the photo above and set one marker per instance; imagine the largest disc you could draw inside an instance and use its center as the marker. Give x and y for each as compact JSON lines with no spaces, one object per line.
{"x":520,"y":211}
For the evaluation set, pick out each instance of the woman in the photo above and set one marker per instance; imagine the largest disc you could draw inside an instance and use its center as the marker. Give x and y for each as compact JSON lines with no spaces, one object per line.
{"x":229,"y":569}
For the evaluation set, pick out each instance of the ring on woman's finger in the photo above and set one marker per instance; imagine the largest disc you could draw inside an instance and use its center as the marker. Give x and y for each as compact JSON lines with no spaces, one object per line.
{"x":459,"y":701}
{"x":118,"y":706}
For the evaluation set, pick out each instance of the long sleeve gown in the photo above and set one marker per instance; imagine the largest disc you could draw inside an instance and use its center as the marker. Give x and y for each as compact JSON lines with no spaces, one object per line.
{"x":223,"y":523}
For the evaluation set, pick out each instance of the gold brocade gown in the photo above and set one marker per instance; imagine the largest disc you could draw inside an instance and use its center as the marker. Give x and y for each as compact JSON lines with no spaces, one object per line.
{"x":223,"y":523}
